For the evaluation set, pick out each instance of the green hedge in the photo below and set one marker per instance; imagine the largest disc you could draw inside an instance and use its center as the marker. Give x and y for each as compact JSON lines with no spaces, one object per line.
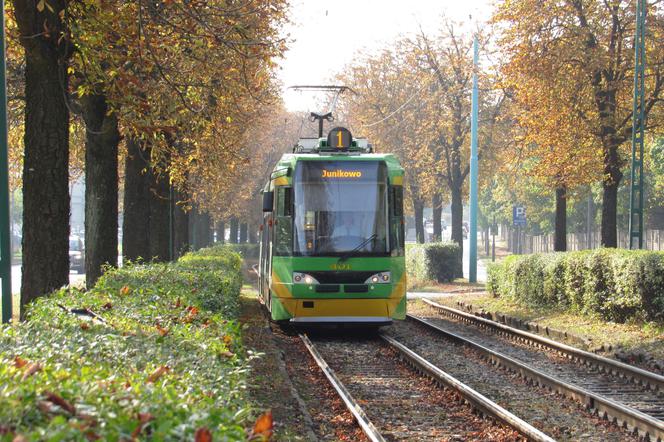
{"x":165,"y":362}
{"x":433,"y":262}
{"x":616,"y":284}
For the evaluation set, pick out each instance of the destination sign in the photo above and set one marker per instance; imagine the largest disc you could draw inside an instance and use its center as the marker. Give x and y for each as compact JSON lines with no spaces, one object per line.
{"x":339,"y":173}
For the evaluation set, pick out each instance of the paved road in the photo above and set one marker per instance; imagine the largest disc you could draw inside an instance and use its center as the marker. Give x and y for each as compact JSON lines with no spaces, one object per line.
{"x":481,"y":268}
{"x":74,"y":279}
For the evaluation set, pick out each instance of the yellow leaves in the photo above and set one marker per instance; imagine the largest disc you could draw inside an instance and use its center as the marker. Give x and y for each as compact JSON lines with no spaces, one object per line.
{"x":125,"y":290}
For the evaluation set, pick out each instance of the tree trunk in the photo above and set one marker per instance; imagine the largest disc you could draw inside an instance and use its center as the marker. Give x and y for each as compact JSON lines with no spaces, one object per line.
{"x":209,"y":231}
{"x":101,"y":187}
{"x":45,"y":164}
{"x":243,"y":233}
{"x":437,"y":204}
{"x":136,"y":219}
{"x":612,"y":177}
{"x":201,"y":229}
{"x":181,"y":226}
{"x":221,"y":231}
{"x":457,"y":217}
{"x":609,"y":215}
{"x":418,"y":209}
{"x":159,"y":216}
{"x":233,"y":231}
{"x":252,"y":238}
{"x":560,"y":237}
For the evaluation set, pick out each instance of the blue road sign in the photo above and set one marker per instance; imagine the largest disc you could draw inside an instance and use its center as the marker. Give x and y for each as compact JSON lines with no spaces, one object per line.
{"x":519,"y":216}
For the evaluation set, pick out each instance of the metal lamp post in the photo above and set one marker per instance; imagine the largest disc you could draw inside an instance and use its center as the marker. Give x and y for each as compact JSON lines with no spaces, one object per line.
{"x":5,"y":249}
{"x":472,"y":236}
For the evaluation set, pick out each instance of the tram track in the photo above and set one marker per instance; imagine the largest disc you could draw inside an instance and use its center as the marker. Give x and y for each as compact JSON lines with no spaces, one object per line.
{"x":391,"y":401}
{"x":627,"y":395}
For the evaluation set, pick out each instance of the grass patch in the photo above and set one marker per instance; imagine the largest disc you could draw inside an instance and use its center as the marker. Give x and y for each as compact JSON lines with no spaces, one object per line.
{"x":634,"y":336}
{"x":458,"y":285}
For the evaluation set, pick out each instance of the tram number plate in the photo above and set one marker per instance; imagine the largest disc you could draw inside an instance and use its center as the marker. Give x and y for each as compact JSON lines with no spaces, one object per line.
{"x":340,"y":267}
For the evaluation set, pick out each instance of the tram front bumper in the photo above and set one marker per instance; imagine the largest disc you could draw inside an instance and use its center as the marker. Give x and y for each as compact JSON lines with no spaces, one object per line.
{"x":359,"y":320}
{"x":362,"y":310}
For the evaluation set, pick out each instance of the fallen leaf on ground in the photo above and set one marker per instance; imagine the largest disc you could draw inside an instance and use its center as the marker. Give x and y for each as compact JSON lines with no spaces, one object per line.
{"x":263,"y":427}
{"x":162,"y":331}
{"x":60,"y":401}
{"x":31,"y":369}
{"x":143,"y":419}
{"x":159,"y":372}
{"x":203,"y":435}
{"x":20,"y":362}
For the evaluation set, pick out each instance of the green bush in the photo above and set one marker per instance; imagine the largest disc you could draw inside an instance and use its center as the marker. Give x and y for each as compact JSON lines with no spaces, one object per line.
{"x":164,"y":361}
{"x":617,"y":285}
{"x":574,"y":279}
{"x":434,"y":262}
{"x":553,"y":284}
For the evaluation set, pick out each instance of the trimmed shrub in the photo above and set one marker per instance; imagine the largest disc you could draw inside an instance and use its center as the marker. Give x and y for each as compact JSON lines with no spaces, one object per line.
{"x":434,"y":262}
{"x":155,"y":353}
{"x":599,"y":282}
{"x":575,"y":276}
{"x":529,"y":279}
{"x":553,"y":289}
{"x":617,"y":285}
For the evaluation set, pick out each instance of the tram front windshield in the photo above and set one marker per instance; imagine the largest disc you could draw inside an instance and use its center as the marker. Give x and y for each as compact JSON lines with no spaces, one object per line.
{"x":340,"y":208}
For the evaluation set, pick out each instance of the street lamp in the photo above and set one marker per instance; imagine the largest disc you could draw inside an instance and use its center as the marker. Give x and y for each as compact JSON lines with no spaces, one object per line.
{"x":5,"y":249}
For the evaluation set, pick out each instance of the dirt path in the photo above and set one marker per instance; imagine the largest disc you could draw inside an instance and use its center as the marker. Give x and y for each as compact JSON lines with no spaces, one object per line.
{"x":285,"y":379}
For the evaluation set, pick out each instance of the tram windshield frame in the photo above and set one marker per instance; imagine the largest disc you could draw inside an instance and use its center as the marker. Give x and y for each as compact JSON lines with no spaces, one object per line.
{"x":341,"y":208}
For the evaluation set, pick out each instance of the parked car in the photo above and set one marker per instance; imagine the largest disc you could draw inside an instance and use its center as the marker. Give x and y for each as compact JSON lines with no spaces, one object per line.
{"x":76,"y":254}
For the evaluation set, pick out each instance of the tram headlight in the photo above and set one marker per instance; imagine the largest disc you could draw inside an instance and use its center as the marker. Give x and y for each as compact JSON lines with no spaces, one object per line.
{"x":303,"y":278}
{"x":379,"y":278}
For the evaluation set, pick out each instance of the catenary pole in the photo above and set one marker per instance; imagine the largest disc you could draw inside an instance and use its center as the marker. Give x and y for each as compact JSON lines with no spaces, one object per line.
{"x":638,"y":128}
{"x":472,"y":237}
{"x":5,"y":249}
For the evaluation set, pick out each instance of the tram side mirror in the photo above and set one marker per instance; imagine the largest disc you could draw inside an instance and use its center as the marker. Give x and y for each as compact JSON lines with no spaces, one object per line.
{"x":268,"y":201}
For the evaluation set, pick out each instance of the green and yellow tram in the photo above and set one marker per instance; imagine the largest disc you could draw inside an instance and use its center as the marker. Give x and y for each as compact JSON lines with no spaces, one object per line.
{"x":332,"y":236}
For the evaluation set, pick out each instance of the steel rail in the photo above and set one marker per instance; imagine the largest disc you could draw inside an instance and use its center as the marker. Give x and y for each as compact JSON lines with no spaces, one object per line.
{"x":479,"y":401}
{"x":647,"y":426}
{"x":638,"y":375}
{"x":360,"y":416}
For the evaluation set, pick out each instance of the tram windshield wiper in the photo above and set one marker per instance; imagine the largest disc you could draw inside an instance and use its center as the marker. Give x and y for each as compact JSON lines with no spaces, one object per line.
{"x":348,"y":254}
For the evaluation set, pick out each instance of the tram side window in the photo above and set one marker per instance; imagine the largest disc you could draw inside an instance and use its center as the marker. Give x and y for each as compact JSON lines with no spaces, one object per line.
{"x":283,"y":240}
{"x":398,"y":201}
{"x":397,"y":231}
